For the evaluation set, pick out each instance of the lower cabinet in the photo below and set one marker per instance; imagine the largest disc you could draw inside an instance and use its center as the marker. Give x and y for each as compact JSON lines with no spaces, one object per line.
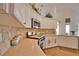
{"x":69,"y":42}
{"x":4,"y":47}
{"x":62,"y":41}
{"x":4,"y":43}
{"x":50,"y":42}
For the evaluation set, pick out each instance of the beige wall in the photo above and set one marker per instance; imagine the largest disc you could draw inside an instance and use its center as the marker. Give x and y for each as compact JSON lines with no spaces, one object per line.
{"x":62,"y":13}
{"x":24,"y":13}
{"x":8,"y":20}
{"x":20,"y":13}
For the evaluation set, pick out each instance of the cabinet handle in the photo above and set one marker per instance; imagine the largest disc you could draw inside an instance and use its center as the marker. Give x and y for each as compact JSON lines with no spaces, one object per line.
{"x":55,"y":41}
{"x":49,"y":41}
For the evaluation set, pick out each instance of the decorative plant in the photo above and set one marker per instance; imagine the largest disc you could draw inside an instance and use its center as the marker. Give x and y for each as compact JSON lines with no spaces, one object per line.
{"x":48,"y":15}
{"x":34,"y":8}
{"x":73,"y":32}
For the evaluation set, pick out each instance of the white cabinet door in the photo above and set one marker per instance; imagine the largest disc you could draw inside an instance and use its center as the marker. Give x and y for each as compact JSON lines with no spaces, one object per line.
{"x":0,"y":37}
{"x":48,"y":23}
{"x":70,"y":42}
{"x":50,"y":42}
{"x":5,"y":44}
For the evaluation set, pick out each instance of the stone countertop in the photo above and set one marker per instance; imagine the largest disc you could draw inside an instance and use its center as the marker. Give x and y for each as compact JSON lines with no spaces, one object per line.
{"x":68,"y":36}
{"x":35,"y":37}
{"x":26,"y":47}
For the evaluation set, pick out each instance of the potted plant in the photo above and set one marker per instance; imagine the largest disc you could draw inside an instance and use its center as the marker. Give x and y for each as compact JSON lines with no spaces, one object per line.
{"x":73,"y":32}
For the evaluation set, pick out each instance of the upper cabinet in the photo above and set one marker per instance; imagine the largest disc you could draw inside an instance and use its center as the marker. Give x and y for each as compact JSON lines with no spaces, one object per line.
{"x":48,"y":23}
{"x":44,"y":23}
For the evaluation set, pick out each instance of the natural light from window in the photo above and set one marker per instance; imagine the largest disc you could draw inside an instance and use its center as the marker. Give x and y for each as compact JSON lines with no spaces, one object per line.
{"x":57,"y":29}
{"x":67,"y":27}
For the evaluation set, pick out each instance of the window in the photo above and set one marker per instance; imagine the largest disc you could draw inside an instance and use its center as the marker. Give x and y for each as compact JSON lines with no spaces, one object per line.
{"x":67,"y":20}
{"x":67,"y":29}
{"x":57,"y":29}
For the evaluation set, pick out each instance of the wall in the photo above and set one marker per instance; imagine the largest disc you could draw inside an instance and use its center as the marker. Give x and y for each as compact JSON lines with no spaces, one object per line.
{"x":76,"y":23}
{"x":19,"y":12}
{"x":63,"y":11}
{"x":24,"y":13}
{"x":8,"y":20}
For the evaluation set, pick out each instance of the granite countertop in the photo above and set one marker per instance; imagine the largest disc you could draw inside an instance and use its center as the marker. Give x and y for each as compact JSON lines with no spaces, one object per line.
{"x":27,"y":47}
{"x":36,"y":36}
{"x":68,"y":36}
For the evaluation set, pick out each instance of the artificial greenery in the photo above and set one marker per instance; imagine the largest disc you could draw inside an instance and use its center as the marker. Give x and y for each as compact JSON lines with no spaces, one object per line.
{"x":34,"y":8}
{"x":48,"y":15}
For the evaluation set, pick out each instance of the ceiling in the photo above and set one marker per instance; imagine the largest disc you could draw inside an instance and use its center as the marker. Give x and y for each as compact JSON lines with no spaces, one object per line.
{"x":69,"y":6}
{"x":72,"y":6}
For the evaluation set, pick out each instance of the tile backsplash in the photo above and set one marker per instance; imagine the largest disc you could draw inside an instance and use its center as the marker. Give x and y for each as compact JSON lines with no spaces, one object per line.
{"x":46,"y":31}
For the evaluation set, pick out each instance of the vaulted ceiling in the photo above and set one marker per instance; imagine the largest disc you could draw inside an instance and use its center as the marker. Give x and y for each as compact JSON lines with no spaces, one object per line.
{"x":46,"y":7}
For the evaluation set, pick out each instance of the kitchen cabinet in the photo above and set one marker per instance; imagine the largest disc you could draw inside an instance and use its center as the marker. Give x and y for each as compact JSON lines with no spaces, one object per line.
{"x":62,"y":41}
{"x":0,"y":37}
{"x":68,"y":41}
{"x":47,"y":23}
{"x":50,"y":42}
{"x":4,"y":43}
